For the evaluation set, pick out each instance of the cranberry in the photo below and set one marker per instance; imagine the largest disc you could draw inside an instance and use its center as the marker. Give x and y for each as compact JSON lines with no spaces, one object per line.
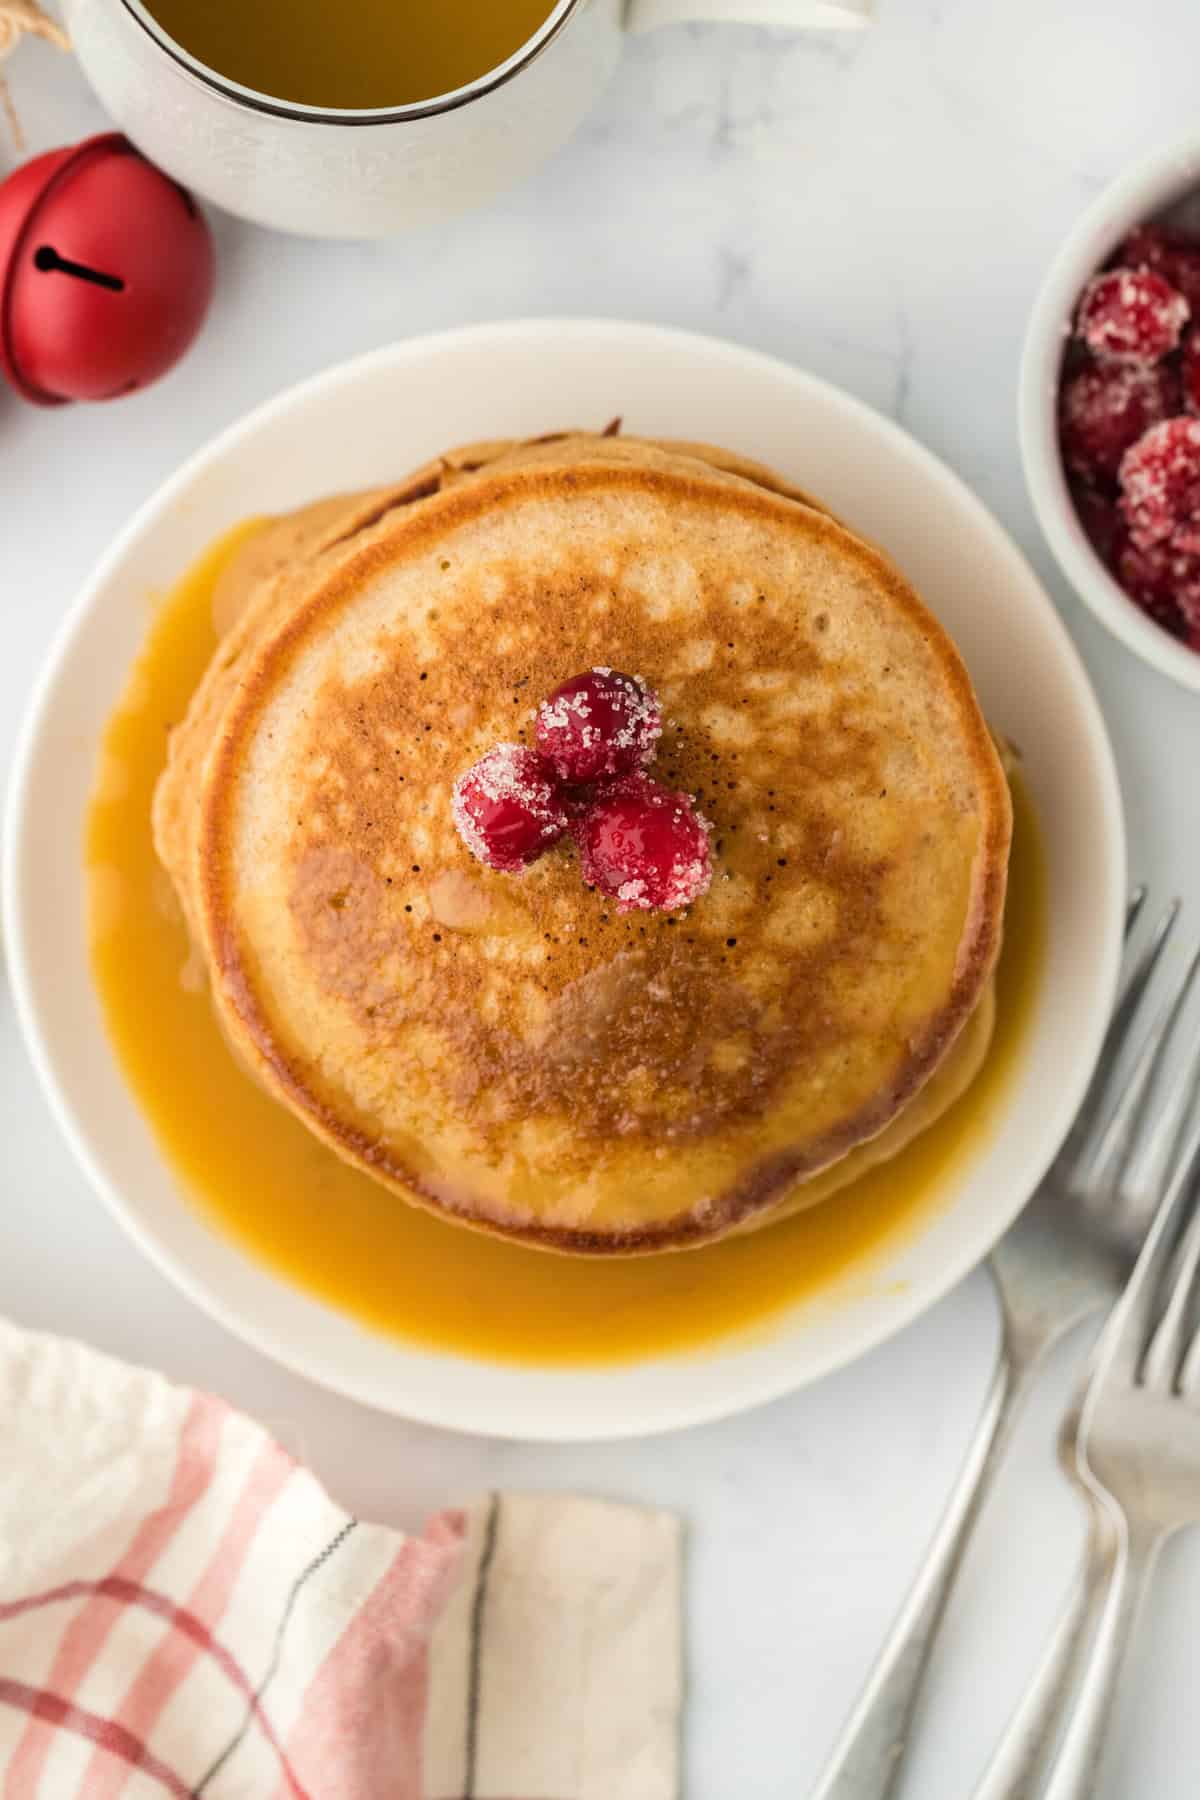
{"x":508,"y":808}
{"x":1156,"y":580}
{"x":1131,"y":315}
{"x":1175,"y":258}
{"x":599,"y":724}
{"x":1160,"y":487}
{"x":1146,"y":247}
{"x":1189,"y":369}
{"x":645,"y":846}
{"x":1102,"y":523}
{"x":1187,"y":595}
{"x":1184,"y":274}
{"x":1105,"y":407}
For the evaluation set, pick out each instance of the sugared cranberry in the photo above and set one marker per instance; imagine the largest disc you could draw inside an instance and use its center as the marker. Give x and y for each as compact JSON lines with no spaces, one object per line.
{"x":1131,"y":315}
{"x":1160,"y":487}
{"x":1102,"y":523}
{"x":1175,"y":258}
{"x":508,"y":808}
{"x":1105,"y":407}
{"x":597,"y":725}
{"x":645,"y":847}
{"x":1160,"y":582}
{"x":1189,"y":371}
{"x":1147,"y":246}
{"x":1187,"y":597}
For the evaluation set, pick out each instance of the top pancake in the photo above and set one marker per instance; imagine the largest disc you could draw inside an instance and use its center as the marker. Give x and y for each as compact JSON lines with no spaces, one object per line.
{"x":509,"y":1049}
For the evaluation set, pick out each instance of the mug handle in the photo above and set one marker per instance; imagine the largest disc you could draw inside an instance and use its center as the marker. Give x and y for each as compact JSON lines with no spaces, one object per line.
{"x":647,"y":15}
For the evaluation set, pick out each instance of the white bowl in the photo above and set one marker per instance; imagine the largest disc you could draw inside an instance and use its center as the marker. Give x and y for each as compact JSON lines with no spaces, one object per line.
{"x":362,"y":423}
{"x":1156,"y":185}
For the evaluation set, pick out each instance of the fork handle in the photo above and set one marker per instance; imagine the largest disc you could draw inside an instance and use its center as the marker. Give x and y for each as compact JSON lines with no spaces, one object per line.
{"x":1077,"y":1764}
{"x":1024,"y":1758}
{"x":866,"y":1760}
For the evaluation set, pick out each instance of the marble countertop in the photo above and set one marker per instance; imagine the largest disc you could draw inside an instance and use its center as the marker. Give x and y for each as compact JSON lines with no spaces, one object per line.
{"x":879,"y":211}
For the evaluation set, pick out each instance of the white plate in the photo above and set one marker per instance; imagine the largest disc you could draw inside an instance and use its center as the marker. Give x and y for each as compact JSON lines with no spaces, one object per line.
{"x":367,"y":421}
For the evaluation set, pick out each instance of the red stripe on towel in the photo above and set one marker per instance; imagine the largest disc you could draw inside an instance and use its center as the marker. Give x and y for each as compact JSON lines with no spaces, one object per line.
{"x":156,"y":1683}
{"x":57,"y":1714}
{"x":129,"y":1593}
{"x":84,"y":1636}
{"x":358,"y":1732}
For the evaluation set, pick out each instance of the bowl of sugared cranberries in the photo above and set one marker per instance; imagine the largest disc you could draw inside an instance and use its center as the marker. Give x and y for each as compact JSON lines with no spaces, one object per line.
{"x":1110,"y":409}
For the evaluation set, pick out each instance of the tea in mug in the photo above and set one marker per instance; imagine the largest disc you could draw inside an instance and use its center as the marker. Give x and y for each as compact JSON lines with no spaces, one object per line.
{"x":351,"y":53}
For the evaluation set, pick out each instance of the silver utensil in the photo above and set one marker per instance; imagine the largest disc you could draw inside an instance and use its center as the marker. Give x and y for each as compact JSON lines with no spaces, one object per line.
{"x":1133,"y":1445}
{"x":1066,"y":1257}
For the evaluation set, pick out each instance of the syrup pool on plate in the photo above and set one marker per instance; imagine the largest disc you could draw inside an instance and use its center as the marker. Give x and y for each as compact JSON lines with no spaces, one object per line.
{"x":258,"y":1174}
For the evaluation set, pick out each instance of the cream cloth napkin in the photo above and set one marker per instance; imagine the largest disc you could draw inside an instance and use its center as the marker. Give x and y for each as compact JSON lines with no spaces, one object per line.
{"x":184,"y":1611}
{"x":573,"y":1607}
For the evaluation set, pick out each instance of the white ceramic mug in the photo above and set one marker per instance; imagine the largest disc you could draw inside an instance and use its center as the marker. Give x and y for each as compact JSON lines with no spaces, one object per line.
{"x":331,"y":173}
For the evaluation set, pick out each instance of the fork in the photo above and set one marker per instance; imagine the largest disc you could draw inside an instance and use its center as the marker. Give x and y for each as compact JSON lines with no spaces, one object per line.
{"x":1065,"y":1258}
{"x":1133,"y":1446}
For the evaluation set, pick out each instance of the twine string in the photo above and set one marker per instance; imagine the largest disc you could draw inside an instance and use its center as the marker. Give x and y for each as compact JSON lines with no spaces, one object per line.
{"x":18,"y":19}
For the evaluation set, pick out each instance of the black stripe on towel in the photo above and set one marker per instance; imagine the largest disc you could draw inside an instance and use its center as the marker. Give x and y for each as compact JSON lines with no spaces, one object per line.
{"x":335,"y":1543}
{"x":475,"y":1670}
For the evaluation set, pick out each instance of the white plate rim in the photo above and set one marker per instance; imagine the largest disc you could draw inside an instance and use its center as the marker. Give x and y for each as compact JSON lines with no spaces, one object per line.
{"x":566,"y":1424}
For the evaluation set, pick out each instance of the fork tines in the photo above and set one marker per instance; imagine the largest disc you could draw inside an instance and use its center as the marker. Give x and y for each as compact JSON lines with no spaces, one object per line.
{"x":1121,"y":1165}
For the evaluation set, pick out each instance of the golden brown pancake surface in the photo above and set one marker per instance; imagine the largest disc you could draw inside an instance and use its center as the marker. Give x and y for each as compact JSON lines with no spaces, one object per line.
{"x":511,"y":1049}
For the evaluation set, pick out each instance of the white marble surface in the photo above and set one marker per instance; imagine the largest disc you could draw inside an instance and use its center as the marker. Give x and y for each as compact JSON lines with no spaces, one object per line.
{"x":879,"y":211}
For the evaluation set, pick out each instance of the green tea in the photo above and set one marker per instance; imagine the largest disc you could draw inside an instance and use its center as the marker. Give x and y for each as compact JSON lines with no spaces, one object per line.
{"x":351,"y":53}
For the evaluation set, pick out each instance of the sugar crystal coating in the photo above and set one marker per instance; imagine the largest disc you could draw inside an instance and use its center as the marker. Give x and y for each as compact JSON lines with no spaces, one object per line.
{"x":508,"y":808}
{"x":1161,"y":582}
{"x":1175,"y":258}
{"x":598,"y":724}
{"x":645,"y":846}
{"x":1129,"y":423}
{"x":1160,"y":487}
{"x":1105,"y":407}
{"x":1131,"y":315}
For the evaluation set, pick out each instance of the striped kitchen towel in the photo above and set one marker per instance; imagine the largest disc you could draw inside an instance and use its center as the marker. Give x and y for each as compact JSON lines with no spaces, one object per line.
{"x":184,"y":1611}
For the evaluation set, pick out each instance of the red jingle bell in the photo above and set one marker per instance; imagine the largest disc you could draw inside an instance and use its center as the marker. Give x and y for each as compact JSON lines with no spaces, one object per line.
{"x":106,"y":272}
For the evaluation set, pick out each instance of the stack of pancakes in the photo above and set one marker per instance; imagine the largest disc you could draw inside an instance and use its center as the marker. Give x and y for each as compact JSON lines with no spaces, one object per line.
{"x":509,"y":1050}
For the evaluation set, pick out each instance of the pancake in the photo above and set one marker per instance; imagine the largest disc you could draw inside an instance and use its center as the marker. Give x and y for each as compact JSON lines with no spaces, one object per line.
{"x":510,"y":1051}
{"x":289,"y":543}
